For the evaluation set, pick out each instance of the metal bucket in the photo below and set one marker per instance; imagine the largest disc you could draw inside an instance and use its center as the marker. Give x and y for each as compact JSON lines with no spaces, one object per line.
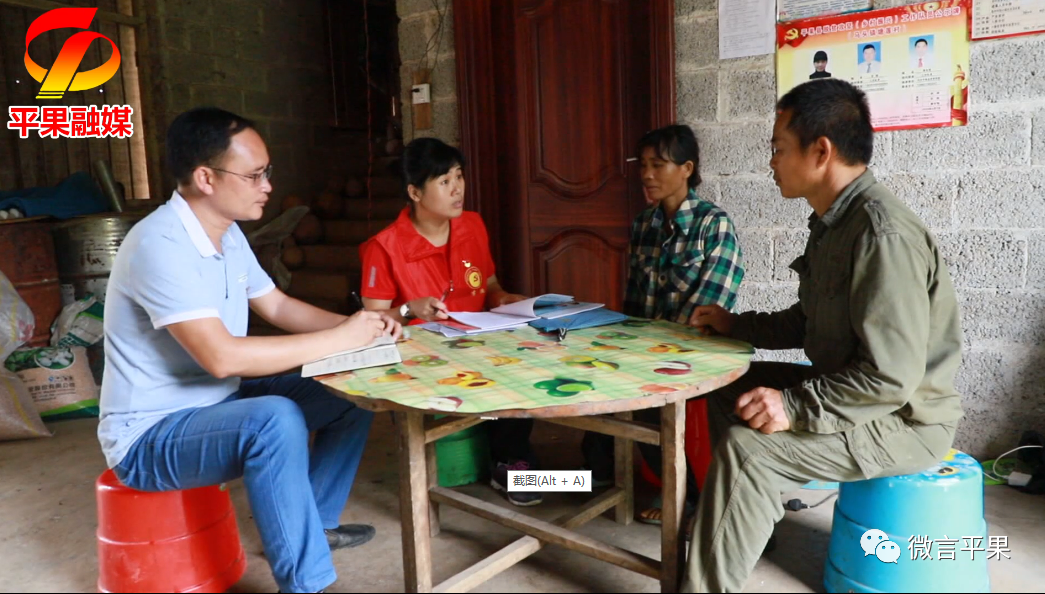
{"x":27,"y":259}
{"x":86,"y":249}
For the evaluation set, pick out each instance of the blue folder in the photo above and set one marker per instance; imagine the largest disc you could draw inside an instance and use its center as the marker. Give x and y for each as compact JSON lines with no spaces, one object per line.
{"x":588,"y":319}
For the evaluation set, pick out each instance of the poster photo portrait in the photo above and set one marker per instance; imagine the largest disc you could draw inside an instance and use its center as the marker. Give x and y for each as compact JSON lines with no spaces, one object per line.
{"x":921,"y":52}
{"x":869,"y":57}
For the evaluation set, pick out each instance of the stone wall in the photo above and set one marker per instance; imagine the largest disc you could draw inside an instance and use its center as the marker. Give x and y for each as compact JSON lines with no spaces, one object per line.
{"x":419,"y":31}
{"x":267,"y":60}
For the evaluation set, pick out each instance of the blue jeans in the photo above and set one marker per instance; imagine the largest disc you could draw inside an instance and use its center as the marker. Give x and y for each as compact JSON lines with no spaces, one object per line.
{"x":261,"y":433}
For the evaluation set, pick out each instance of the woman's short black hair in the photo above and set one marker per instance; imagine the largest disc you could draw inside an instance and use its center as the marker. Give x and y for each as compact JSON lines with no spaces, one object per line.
{"x":425,"y":159}
{"x":199,"y":137}
{"x":677,"y":144}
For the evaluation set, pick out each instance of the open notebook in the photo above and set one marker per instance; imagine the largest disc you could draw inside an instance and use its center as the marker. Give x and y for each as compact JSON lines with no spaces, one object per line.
{"x":382,"y":351}
{"x":514,"y":315}
{"x":548,"y":306}
{"x":452,"y":329}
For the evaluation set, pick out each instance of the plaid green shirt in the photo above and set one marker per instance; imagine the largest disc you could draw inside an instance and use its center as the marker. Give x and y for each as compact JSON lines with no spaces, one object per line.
{"x":674,"y":266}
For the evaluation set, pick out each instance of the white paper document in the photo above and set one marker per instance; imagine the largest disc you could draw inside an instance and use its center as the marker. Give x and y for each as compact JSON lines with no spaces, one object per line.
{"x":1003,"y":18}
{"x":382,"y":351}
{"x":508,"y":317}
{"x":793,"y":10}
{"x":488,"y":320}
{"x":452,"y":329}
{"x":746,"y":28}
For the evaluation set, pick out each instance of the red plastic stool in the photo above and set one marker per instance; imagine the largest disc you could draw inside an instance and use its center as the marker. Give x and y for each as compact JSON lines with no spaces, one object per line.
{"x":698,"y":439}
{"x":698,"y":444}
{"x":172,"y":541}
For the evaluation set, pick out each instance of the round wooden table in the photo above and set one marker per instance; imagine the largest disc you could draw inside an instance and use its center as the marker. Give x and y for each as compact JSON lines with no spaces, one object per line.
{"x":593,"y":379}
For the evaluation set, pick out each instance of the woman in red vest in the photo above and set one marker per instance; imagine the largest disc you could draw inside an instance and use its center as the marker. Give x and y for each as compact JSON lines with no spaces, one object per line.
{"x":435,"y":258}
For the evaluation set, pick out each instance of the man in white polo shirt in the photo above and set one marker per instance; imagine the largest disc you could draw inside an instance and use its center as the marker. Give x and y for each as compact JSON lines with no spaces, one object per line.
{"x":174,"y":413}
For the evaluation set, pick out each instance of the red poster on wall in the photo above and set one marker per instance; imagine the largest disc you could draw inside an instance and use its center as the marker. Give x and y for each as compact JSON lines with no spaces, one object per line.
{"x":912,"y":61}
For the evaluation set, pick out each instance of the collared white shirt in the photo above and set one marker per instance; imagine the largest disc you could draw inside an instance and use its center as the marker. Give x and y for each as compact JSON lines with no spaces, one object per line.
{"x":922,"y":63}
{"x":870,"y":67}
{"x":167,"y":271}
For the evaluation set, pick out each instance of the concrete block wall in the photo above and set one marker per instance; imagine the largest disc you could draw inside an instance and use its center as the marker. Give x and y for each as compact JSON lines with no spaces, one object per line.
{"x":981,"y":189}
{"x":267,"y":60}
{"x":418,"y":30}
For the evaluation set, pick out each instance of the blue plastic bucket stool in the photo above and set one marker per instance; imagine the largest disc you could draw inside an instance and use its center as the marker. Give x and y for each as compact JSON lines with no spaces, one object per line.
{"x":943,"y":502}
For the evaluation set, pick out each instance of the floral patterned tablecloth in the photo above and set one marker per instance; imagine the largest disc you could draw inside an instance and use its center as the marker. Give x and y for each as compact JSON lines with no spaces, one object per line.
{"x":526,"y":369}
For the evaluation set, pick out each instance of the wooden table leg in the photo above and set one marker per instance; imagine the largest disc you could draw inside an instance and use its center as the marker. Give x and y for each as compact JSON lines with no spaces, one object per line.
{"x":413,"y":502}
{"x":624,"y":474}
{"x":673,"y":494}
{"x":433,"y":481}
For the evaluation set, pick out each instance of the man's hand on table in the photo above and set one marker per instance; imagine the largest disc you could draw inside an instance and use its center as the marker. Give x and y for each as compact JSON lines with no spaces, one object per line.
{"x":712,"y":319}
{"x":763,"y":410}
{"x":392,"y":327}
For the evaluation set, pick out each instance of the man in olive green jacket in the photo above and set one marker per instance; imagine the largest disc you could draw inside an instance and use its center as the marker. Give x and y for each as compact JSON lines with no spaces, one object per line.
{"x":878,"y":318}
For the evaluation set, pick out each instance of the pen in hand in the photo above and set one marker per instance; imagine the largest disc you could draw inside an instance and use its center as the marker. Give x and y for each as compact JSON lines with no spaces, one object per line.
{"x":356,"y":302}
{"x":445,"y":309}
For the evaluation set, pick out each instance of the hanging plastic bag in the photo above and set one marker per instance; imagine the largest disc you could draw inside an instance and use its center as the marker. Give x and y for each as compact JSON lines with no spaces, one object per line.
{"x":16,"y":319}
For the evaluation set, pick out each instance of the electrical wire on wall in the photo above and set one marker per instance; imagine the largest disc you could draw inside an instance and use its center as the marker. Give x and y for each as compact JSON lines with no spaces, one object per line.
{"x":436,"y":38}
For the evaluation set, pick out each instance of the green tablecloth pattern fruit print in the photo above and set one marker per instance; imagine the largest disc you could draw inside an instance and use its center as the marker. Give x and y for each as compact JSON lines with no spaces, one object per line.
{"x":524,"y":368}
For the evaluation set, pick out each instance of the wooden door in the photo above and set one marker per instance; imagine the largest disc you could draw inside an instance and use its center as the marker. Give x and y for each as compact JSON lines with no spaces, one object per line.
{"x":573,"y":90}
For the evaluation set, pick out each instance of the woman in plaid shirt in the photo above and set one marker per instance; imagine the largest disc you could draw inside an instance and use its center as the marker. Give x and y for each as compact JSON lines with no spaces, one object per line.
{"x":683,"y":253}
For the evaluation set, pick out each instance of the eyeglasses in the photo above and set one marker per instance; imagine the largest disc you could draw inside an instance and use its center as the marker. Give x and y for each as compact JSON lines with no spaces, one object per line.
{"x":254,"y":177}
